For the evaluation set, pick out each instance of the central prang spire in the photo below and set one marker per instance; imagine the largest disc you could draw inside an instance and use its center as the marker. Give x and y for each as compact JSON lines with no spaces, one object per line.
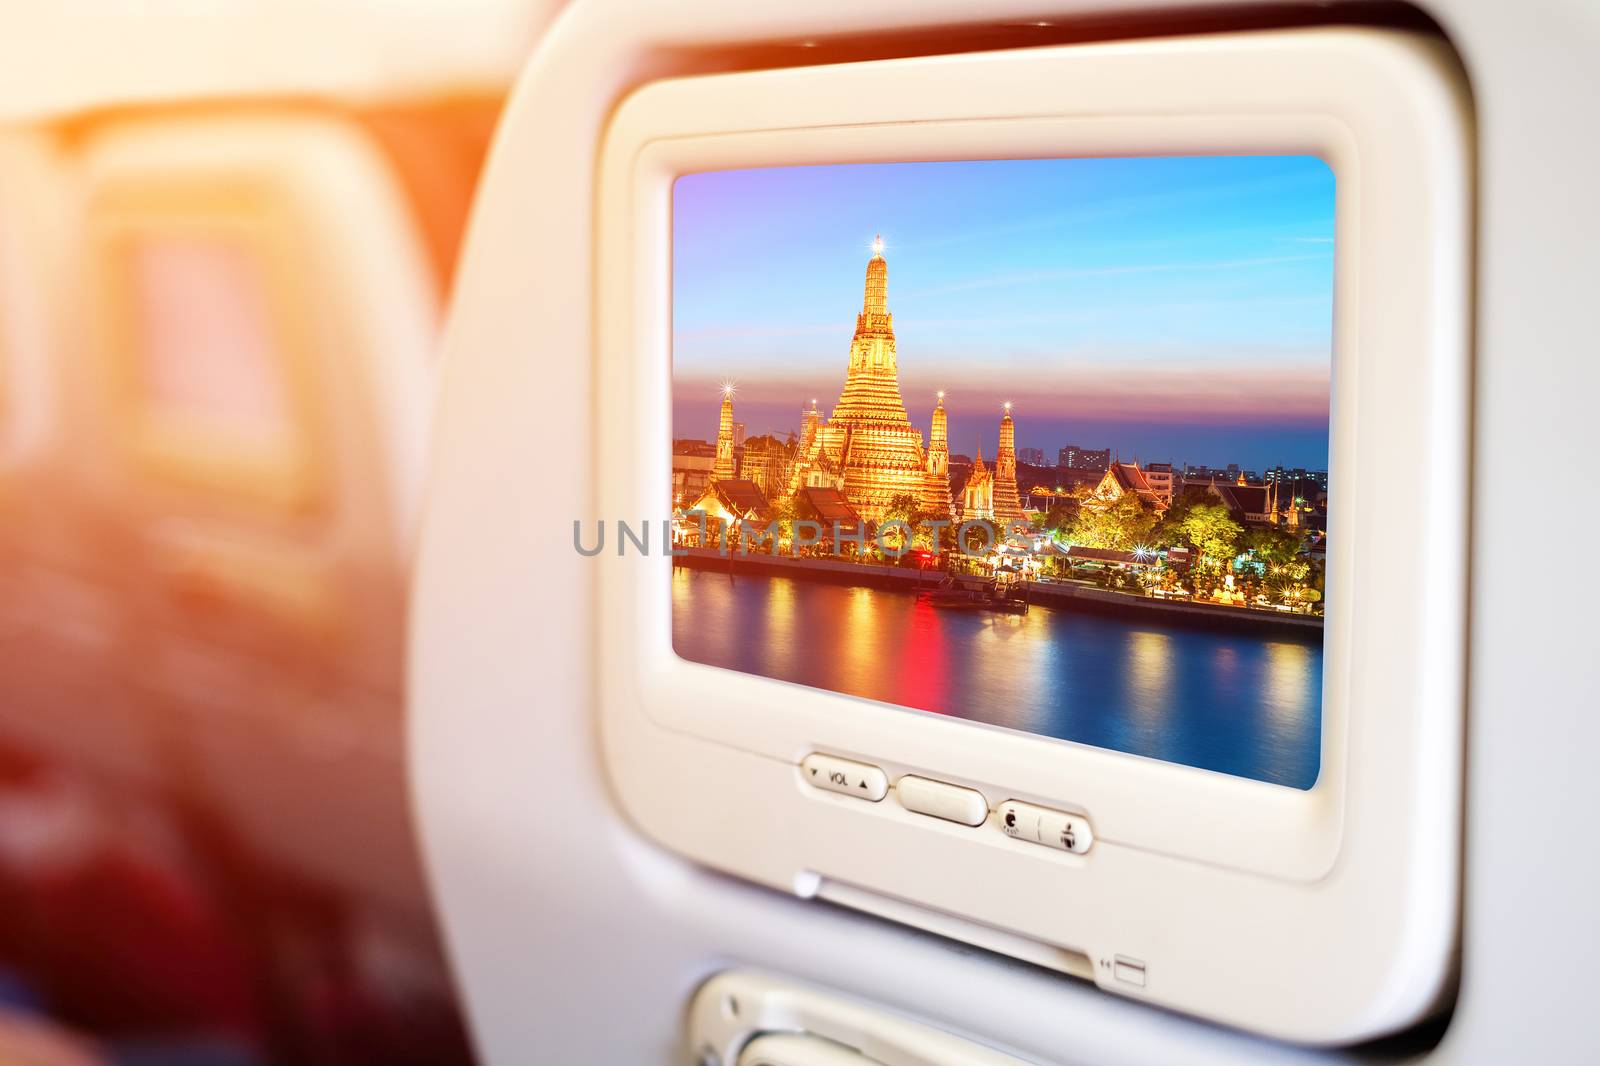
{"x":868,"y":438}
{"x":872,"y":377}
{"x":875,"y":301}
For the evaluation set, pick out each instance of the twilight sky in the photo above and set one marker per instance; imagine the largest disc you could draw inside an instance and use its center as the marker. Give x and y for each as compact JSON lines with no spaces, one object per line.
{"x":1168,"y":308}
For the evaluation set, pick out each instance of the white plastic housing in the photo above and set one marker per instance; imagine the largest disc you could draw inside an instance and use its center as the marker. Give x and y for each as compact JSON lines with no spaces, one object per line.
{"x":578,"y":939}
{"x":1235,"y":894}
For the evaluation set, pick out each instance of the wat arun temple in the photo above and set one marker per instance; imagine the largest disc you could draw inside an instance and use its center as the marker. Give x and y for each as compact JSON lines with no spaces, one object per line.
{"x":867,"y":449}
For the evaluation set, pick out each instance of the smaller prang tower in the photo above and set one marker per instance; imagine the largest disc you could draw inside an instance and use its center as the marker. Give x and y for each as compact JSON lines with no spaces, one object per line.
{"x":936,"y":466}
{"x":722,"y":466}
{"x":810,"y":419}
{"x":1007,"y":501}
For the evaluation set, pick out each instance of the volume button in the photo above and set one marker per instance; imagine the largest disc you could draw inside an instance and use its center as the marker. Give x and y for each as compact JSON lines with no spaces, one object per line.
{"x":844,"y":776}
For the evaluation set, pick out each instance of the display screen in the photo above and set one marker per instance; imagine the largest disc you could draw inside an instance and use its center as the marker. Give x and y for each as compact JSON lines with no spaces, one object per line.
{"x":1040,"y":444}
{"x":205,"y":340}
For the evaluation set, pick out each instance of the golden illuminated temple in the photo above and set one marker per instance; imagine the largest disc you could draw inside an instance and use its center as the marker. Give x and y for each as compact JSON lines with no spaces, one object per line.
{"x":868,"y":448}
{"x":868,"y":437}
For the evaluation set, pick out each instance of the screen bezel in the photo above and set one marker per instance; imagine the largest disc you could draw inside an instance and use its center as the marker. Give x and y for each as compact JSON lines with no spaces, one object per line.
{"x":1373,"y":846}
{"x":310,"y":198}
{"x":276,"y":475}
{"x":1279,"y":831}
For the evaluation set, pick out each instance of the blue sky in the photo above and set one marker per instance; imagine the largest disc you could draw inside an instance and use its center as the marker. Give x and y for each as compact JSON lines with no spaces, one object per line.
{"x":1169,"y":308}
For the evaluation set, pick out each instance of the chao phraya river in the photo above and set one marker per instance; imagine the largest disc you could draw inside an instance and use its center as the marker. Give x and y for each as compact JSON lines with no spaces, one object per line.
{"x":1234,"y":702}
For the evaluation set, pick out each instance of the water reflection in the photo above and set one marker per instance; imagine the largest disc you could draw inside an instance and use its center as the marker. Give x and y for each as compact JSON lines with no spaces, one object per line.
{"x":923,"y":674}
{"x":861,"y":659}
{"x":1237,"y":703}
{"x":780,"y":618}
{"x":1288,"y":669}
{"x":1149,"y":673}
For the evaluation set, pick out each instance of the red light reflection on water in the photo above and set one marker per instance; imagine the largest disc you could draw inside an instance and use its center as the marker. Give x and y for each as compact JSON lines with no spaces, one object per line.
{"x":923,"y":680}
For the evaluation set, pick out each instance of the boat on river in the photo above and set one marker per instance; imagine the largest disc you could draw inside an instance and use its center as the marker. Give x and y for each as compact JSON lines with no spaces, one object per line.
{"x":953,"y":596}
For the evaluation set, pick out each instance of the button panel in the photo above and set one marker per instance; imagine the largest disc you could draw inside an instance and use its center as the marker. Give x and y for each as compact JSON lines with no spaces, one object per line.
{"x":938,"y":799}
{"x":844,"y":776}
{"x":1041,"y":825}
